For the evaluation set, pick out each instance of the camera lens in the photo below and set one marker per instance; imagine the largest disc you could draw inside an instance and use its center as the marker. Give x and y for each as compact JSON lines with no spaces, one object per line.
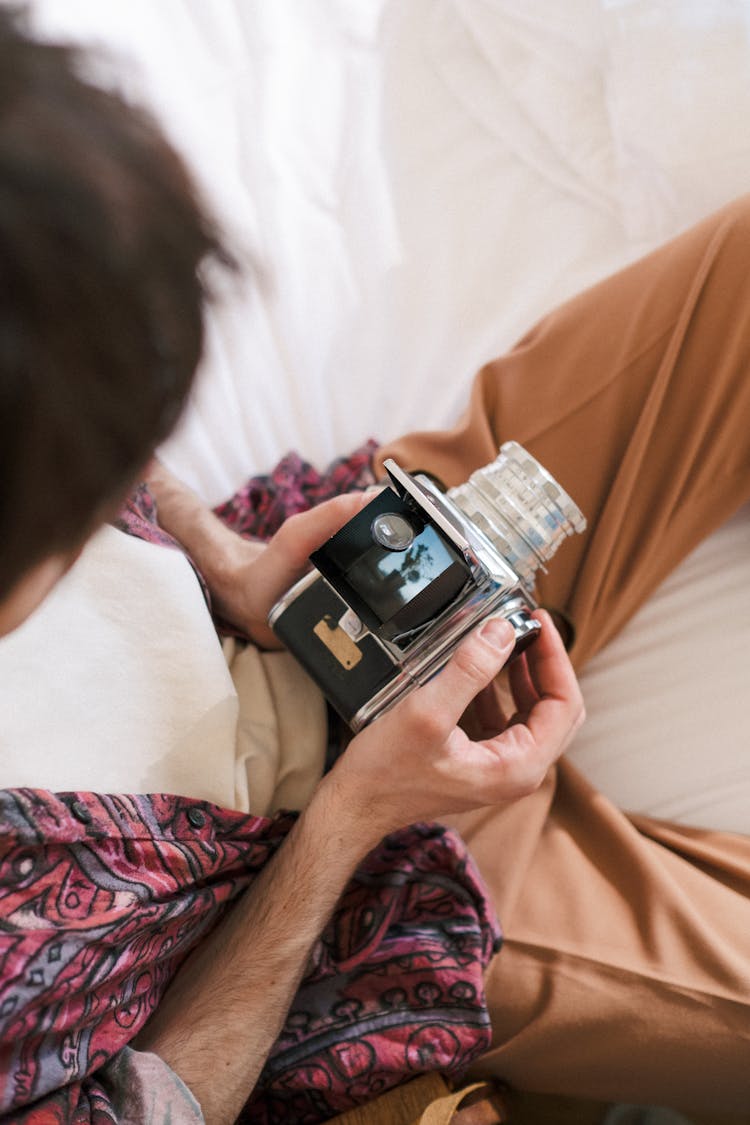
{"x":392,"y":531}
{"x":521,"y":509}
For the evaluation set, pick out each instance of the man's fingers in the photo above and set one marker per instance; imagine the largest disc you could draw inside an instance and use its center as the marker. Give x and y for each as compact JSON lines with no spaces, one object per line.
{"x":442,"y":701}
{"x":528,"y":749}
{"x":303,"y":533}
{"x":548,"y":663}
{"x":559,"y":711}
{"x":487,"y":714}
{"x":521,"y":685}
{"x":286,"y":556}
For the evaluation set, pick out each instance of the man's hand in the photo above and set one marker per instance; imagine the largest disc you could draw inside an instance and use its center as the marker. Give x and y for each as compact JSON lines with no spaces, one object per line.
{"x":415,"y":763}
{"x":255,"y":576}
{"x":245,"y":577}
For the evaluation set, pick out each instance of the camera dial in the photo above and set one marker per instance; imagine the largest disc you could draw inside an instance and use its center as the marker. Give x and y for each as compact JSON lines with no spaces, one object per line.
{"x":392,"y":531}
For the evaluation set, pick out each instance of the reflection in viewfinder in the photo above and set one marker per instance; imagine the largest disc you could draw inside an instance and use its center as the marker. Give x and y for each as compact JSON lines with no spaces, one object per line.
{"x":389,"y":580}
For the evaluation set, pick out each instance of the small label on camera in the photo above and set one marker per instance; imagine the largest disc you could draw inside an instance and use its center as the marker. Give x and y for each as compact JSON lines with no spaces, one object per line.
{"x":351,"y":625}
{"x":338,"y":643}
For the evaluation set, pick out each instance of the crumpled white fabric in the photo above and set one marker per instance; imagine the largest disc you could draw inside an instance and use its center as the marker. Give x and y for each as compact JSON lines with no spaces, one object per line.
{"x":145,"y":1091}
{"x":667,"y":727}
{"x":118,"y":684}
{"x":677,"y":88}
{"x":635,"y":106}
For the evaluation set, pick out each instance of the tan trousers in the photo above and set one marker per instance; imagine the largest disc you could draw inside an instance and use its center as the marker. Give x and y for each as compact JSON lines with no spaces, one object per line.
{"x":625,"y":973}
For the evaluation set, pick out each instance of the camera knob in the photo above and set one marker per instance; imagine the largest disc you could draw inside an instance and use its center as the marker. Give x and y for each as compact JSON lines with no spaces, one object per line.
{"x":392,"y":531}
{"x":526,"y":628}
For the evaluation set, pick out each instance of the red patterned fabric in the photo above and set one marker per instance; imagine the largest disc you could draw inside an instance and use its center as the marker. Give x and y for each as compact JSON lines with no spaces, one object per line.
{"x":260,"y":507}
{"x":102,"y":898}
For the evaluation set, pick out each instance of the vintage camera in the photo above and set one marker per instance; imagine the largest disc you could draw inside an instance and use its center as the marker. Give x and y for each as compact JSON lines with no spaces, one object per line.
{"x":399,"y":586}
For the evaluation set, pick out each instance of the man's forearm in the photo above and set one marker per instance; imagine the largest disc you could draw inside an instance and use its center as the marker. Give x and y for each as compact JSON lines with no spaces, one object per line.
{"x":212,"y":545}
{"x":226,"y":1006}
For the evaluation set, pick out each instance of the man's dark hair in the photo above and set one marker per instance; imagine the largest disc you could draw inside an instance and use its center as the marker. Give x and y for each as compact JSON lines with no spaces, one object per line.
{"x":103,"y":245}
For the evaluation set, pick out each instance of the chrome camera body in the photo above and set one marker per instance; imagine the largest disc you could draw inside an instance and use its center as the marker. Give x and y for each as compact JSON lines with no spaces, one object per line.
{"x":396,"y":590}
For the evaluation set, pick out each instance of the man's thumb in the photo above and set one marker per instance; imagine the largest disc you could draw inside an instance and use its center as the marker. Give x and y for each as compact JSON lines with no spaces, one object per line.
{"x":473,"y":665}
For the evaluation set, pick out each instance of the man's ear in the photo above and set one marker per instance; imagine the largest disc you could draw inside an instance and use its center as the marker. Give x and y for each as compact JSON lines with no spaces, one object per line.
{"x":31,"y":590}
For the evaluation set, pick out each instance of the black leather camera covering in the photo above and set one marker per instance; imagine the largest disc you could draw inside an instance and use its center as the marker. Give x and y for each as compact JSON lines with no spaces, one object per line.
{"x":392,"y":592}
{"x":347,"y":688}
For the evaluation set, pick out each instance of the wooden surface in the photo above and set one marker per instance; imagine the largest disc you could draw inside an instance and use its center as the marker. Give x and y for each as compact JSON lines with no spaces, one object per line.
{"x":401,"y":1106}
{"x":404,"y":1105}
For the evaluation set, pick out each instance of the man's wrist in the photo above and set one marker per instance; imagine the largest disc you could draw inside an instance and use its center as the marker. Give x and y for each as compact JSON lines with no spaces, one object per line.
{"x":330,"y":814}
{"x":352,"y":817}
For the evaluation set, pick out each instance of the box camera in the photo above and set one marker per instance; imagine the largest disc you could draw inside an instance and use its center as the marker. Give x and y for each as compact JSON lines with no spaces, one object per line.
{"x":399,"y":586}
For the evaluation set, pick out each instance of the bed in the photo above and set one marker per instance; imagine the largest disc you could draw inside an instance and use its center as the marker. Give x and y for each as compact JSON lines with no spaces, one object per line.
{"x":411,"y":185}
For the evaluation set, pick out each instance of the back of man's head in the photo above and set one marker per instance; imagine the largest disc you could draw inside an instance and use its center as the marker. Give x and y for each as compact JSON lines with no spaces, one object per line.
{"x":102,"y":242}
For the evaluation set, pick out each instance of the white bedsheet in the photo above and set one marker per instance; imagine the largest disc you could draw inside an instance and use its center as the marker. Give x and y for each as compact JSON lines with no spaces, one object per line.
{"x":421,"y":179}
